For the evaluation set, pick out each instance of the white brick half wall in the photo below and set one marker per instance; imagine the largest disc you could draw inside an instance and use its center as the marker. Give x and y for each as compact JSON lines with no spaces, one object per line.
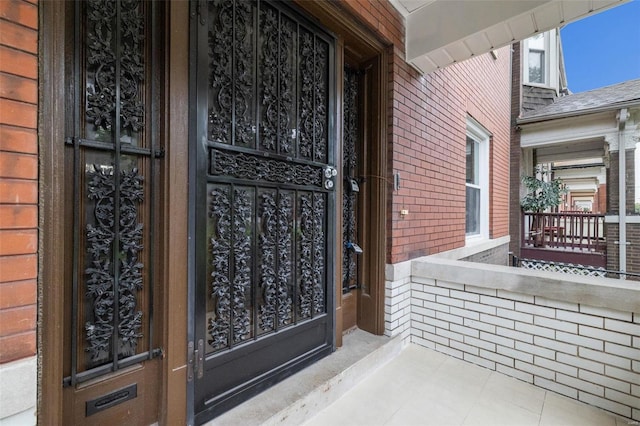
{"x":576,"y":336}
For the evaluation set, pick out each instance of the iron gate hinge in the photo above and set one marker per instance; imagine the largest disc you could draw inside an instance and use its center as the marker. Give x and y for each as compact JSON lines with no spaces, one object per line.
{"x":195,"y":360}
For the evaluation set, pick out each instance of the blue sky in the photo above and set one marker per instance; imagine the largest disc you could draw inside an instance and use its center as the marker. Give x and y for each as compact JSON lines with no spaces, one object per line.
{"x":603,"y":49}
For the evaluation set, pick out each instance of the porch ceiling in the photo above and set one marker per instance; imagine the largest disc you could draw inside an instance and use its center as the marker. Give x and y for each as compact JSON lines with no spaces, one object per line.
{"x":571,"y":151}
{"x":442,"y":32}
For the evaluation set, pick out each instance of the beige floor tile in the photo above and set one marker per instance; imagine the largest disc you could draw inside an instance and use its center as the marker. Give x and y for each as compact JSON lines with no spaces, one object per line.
{"x":496,"y":412}
{"x":562,"y":411}
{"x":424,"y":388}
{"x":428,"y":414}
{"x":513,"y":391}
{"x":456,"y":371}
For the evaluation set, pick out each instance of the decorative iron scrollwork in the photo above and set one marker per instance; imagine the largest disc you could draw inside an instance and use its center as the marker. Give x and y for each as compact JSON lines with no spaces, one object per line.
{"x":104,"y":59}
{"x":220,"y":212}
{"x":131,"y":195}
{"x":305,"y":259}
{"x":321,"y":98}
{"x":307,"y":75}
{"x":101,"y":281}
{"x":253,"y":167}
{"x":268,"y":279}
{"x":242,"y":254}
{"x":285,"y":260}
{"x":268,"y":207}
{"x":319,"y":202}
{"x":312,"y":254}
{"x":276,"y":245}
{"x":231,"y":75}
{"x":231,"y":244}
{"x":220,"y":68}
{"x":350,"y":159}
{"x":269,"y":68}
{"x":100,"y":276}
{"x":277,"y":72}
{"x":313,"y":67}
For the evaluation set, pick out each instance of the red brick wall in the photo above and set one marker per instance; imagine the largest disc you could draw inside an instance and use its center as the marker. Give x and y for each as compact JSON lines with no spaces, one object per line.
{"x":427,"y":137}
{"x":602,"y":198}
{"x":18,"y":178}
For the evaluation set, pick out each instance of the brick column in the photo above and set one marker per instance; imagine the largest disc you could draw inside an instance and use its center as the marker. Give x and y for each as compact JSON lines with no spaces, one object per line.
{"x":515,"y":153}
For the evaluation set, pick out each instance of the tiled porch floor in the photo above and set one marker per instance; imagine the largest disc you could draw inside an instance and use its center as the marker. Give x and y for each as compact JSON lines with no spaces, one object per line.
{"x":424,"y":387}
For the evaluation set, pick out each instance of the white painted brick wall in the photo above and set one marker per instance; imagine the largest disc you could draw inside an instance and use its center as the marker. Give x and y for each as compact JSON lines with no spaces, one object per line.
{"x":607,"y":313}
{"x":535,"y":330}
{"x":609,"y":336}
{"x":516,"y":335}
{"x":398,"y":307}
{"x":586,"y":353}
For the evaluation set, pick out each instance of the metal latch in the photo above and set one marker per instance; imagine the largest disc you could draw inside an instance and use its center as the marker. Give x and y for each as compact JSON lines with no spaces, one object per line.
{"x":355,"y":247}
{"x":353,"y":185}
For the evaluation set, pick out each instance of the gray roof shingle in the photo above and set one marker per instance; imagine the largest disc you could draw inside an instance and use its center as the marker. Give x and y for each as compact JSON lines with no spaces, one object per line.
{"x":598,"y":98}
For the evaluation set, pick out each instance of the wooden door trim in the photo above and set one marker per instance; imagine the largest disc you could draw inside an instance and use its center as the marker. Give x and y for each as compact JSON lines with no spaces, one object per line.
{"x":378,"y":190}
{"x":51,"y":134}
{"x":174,"y":400}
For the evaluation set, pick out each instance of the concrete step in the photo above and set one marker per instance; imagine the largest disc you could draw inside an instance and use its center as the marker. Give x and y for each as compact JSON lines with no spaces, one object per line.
{"x":303,"y":395}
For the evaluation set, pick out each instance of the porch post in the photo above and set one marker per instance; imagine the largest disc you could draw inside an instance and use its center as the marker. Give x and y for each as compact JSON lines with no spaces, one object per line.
{"x":622,"y":185}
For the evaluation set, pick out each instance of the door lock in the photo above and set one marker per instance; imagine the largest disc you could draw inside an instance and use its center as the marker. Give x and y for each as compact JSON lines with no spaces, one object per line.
{"x":329,"y":174}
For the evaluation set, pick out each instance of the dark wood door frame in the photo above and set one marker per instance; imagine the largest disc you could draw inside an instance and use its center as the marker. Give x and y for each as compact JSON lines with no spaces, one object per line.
{"x":51,"y":182}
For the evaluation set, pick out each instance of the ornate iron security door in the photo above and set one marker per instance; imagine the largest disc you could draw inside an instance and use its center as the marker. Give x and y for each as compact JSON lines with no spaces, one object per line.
{"x":114,"y":151}
{"x":263,"y":199}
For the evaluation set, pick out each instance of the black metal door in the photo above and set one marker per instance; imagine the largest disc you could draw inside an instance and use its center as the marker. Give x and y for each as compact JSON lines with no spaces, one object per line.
{"x":262,"y":199}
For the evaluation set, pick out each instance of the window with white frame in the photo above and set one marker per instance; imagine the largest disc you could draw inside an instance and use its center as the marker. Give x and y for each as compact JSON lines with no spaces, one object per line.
{"x":477,"y":182}
{"x":536,"y":59}
{"x":541,"y":61}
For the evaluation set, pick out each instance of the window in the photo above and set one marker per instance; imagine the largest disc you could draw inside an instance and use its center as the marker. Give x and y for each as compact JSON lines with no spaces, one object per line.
{"x":541,"y":63}
{"x":477,"y":182}
{"x":536,"y":60}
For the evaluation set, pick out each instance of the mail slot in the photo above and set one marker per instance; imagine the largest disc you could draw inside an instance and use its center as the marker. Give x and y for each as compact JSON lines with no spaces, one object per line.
{"x":109,"y":400}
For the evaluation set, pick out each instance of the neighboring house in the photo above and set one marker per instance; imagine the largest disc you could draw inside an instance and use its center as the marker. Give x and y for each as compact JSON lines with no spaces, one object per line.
{"x":592,"y":140}
{"x":539,"y":79}
{"x":550,"y":131}
{"x":198,"y":199}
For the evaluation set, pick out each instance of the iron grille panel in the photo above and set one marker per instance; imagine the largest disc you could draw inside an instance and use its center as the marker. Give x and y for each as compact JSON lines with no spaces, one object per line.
{"x":268,"y":148}
{"x":113,"y":150}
